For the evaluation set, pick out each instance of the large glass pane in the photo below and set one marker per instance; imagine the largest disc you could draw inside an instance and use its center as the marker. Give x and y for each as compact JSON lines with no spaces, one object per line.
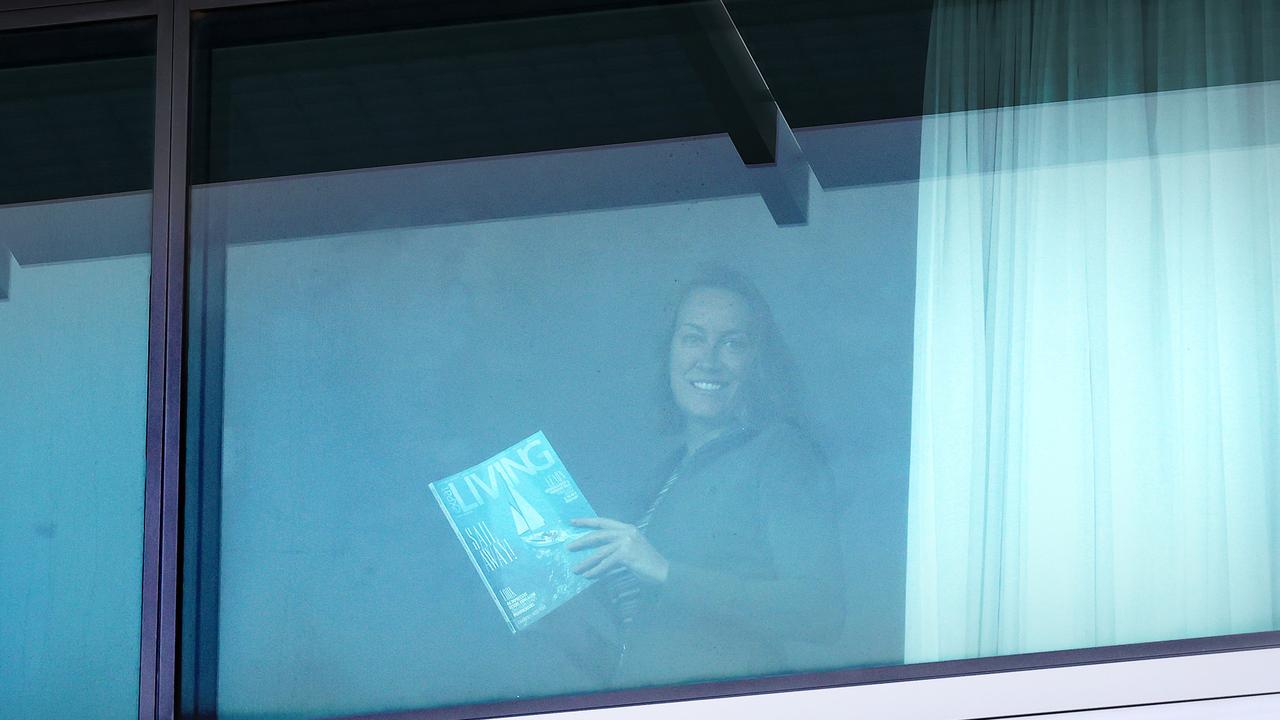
{"x":868,"y":348}
{"x":75,"y":214}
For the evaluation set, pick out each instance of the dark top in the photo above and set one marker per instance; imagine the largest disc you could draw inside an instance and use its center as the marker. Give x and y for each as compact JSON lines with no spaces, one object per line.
{"x":749,"y":530}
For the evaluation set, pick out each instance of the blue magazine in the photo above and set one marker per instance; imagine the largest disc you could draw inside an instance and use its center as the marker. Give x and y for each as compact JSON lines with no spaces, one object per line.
{"x":511,"y":513}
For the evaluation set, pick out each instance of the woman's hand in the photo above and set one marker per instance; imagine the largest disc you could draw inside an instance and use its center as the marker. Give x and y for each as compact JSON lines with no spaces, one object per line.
{"x":619,"y":544}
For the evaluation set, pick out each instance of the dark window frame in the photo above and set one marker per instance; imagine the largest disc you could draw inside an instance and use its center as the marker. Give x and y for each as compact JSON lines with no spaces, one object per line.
{"x":167,"y":333}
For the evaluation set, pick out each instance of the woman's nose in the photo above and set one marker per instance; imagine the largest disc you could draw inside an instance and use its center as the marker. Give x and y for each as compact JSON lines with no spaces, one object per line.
{"x":709,"y":356}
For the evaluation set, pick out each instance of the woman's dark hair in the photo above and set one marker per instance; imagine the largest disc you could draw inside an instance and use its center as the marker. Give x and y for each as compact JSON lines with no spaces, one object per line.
{"x":771,"y":390}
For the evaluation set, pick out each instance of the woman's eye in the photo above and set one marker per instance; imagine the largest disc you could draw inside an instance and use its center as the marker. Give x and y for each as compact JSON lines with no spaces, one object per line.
{"x":690,"y":339}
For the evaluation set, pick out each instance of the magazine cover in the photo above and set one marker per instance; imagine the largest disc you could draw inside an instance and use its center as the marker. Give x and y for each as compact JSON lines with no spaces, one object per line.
{"x":511,"y":513}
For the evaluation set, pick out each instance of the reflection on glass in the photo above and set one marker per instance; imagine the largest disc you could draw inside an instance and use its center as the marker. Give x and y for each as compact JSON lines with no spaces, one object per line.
{"x":361,"y":366}
{"x":1009,"y":383}
{"x":731,"y":558}
{"x":74,"y":286}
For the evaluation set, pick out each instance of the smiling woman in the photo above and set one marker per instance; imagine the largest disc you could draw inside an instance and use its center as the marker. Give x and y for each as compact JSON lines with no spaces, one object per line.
{"x":718,"y":574}
{"x":712,"y":353}
{"x":727,"y":361}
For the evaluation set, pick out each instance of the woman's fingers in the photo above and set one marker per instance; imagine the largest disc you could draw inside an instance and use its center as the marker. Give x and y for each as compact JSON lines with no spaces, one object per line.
{"x":600,"y":522}
{"x":595,"y":559}
{"x":620,"y":544}
{"x":593,"y":539}
{"x":603,"y":566}
{"x":608,"y":531}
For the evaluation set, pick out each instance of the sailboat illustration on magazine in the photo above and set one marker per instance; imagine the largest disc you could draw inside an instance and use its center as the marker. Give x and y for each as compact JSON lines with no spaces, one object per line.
{"x":511,"y":513}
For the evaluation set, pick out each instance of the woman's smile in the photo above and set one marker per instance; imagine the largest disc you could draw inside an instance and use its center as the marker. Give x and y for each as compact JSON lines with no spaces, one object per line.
{"x":712,"y":352}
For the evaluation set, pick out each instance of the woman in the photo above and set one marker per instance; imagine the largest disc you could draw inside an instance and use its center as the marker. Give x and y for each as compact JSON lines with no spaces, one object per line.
{"x":737,"y":553}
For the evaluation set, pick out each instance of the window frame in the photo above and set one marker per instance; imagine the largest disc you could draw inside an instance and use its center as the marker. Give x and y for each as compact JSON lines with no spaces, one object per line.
{"x":167,"y":333}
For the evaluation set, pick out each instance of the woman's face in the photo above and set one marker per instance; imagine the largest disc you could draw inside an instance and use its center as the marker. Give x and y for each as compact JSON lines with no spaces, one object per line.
{"x":712,"y":353}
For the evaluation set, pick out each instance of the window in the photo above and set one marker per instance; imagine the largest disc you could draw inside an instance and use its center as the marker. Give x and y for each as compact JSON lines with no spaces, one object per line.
{"x":514,"y":357}
{"x":75,"y":218}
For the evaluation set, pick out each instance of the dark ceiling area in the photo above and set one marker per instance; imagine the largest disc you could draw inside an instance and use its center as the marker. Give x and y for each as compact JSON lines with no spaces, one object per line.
{"x":341,"y":84}
{"x":325,"y":85}
{"x":76,"y":110}
{"x":289,"y":93}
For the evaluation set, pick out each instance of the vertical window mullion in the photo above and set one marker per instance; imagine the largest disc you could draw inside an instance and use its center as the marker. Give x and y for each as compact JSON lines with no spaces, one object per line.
{"x":160,"y":586}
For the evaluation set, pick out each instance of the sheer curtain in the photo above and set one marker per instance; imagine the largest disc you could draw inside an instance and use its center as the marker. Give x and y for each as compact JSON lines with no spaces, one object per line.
{"x":1095,"y":433}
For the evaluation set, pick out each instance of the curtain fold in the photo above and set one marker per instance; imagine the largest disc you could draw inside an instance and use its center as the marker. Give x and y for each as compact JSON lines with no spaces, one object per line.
{"x":1095,"y":422}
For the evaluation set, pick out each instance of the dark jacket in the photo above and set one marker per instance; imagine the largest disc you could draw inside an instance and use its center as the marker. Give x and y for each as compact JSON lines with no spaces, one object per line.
{"x":750,"y":533}
{"x":749,"y":530}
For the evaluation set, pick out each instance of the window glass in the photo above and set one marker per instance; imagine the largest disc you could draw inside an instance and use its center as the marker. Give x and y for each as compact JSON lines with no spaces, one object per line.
{"x":75,"y":175}
{"x":868,"y":342}
{"x":1095,"y":400}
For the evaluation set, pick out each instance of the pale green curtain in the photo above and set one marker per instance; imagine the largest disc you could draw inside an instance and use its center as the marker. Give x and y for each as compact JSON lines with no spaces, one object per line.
{"x":1096,"y":405}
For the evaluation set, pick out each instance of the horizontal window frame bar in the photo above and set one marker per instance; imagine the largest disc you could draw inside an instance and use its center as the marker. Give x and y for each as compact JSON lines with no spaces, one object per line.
{"x":205,"y":5}
{"x":34,"y":14}
{"x":829,"y":679}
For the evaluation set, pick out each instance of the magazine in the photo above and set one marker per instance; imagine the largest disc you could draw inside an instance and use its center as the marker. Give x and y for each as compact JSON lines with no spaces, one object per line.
{"x":511,"y":513}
